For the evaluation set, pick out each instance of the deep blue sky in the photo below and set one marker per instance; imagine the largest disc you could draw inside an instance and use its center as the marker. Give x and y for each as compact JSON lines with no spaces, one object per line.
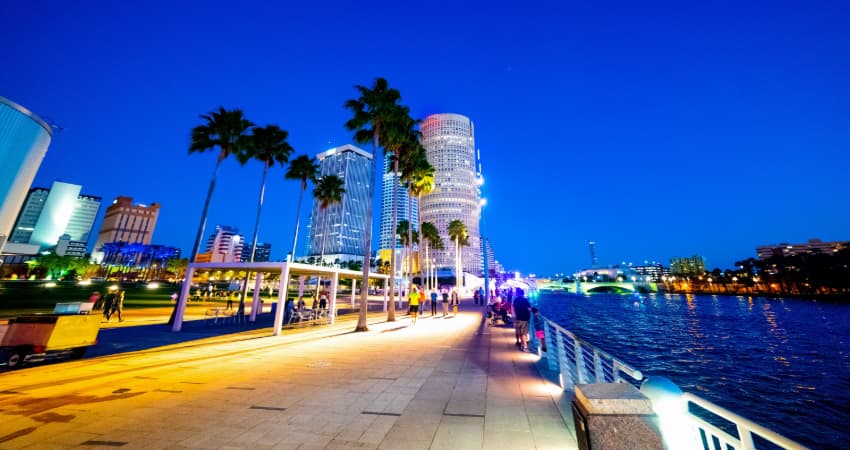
{"x":655,"y":129}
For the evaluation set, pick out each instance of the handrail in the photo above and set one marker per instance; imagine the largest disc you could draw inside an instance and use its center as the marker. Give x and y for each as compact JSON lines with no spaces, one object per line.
{"x":746,"y":428}
{"x":579,"y":362}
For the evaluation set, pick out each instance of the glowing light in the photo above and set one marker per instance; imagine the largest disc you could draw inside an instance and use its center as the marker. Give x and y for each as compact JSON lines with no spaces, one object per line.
{"x":153,"y":285}
{"x":84,"y":282}
{"x":114,"y":287}
{"x":51,"y":284}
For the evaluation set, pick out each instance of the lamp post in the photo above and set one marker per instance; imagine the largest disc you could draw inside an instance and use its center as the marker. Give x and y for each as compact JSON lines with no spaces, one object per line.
{"x":486,"y":298}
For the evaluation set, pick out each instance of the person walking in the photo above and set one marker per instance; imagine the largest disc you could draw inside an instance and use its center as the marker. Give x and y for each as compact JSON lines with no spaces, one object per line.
{"x":539,"y":328}
{"x":108,"y":299}
{"x":434,"y":297}
{"x":94,"y":299}
{"x":118,"y":305}
{"x":413,"y":302}
{"x":445,"y":302}
{"x":455,"y":301}
{"x":522,"y":314}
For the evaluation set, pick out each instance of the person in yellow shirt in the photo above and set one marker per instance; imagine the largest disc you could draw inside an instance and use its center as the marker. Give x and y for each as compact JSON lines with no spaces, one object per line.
{"x":413,"y":298}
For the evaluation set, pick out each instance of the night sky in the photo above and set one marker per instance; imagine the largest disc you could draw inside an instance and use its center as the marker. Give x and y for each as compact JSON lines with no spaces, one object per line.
{"x":654,"y":129}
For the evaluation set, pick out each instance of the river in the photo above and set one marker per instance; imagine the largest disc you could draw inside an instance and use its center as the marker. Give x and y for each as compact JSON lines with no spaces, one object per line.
{"x":783,"y":363}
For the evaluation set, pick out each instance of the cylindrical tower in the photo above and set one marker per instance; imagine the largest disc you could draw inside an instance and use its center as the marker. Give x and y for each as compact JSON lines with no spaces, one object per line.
{"x":450,"y":143}
{"x":24,"y":138}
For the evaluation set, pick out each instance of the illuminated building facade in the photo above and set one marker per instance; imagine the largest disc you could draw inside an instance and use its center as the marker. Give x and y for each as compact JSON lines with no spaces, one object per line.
{"x":24,"y":139}
{"x":224,"y":245}
{"x":450,"y":143}
{"x":344,"y":222}
{"x":126,"y":222}
{"x":812,"y":246}
{"x":262,"y":253}
{"x":694,"y":265}
{"x":48,"y":214}
{"x":405,"y":202}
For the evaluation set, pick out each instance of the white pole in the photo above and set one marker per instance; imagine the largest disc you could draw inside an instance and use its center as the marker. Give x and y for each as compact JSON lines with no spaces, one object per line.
{"x":184,"y":297}
{"x":281,"y":299}
{"x":353,"y":289}
{"x":255,"y":305}
{"x":332,"y":311}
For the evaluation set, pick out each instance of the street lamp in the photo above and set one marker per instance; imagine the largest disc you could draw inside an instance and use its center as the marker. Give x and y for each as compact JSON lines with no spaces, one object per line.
{"x":486,"y":299}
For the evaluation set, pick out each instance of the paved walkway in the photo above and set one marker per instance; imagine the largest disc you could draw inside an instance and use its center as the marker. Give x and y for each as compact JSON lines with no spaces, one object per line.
{"x":443,"y":383}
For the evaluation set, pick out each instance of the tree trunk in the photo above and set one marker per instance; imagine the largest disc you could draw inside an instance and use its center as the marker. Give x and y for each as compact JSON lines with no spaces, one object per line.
{"x":203,"y":223}
{"x":367,"y":241}
{"x":298,"y":218}
{"x":457,"y":264}
{"x":391,"y":308}
{"x":410,"y":241}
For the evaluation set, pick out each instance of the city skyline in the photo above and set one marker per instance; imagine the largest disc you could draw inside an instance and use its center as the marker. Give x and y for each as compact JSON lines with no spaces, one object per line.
{"x":656,"y":132}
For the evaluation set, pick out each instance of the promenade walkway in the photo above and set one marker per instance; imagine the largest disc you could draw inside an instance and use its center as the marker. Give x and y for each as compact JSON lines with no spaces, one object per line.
{"x":443,"y":383}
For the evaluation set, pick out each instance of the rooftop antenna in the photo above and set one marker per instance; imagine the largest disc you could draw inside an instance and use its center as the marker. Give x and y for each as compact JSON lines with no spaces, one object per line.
{"x":593,"y":261}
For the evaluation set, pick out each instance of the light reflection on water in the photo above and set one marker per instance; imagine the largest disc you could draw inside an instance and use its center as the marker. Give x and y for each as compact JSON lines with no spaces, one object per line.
{"x":783,"y":363}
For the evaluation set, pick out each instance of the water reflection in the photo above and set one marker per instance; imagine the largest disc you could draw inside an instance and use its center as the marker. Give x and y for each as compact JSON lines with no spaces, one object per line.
{"x":768,"y":359}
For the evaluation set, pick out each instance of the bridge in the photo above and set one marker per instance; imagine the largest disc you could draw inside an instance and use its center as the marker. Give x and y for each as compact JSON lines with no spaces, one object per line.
{"x":600,"y":287}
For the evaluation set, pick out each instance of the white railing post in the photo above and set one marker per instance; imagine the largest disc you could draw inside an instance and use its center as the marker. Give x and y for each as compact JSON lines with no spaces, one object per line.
{"x":553,"y":346}
{"x":599,"y":371}
{"x":579,"y":362}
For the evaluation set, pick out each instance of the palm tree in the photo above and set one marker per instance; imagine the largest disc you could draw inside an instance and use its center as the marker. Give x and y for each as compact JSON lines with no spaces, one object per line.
{"x":302,"y":168}
{"x":401,"y":142}
{"x":418,"y":175}
{"x":227,"y":131}
{"x":373,"y":110}
{"x":408,"y":238}
{"x":431,"y":237}
{"x":267,"y":145}
{"x":457,"y":232}
{"x":328,"y":191}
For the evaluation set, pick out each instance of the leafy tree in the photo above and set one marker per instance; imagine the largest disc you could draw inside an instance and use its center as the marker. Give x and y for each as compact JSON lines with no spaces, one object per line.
{"x":227,"y":131}
{"x":457,"y":232}
{"x":431,"y":238}
{"x":302,"y":168}
{"x":267,"y":145}
{"x":328,"y":191}
{"x":373,"y":111}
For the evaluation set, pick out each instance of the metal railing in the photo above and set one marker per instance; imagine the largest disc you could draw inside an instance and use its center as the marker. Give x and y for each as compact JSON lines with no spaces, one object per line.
{"x":578,"y":362}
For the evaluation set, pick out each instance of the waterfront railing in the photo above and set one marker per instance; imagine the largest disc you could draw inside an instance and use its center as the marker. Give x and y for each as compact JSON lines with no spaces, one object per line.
{"x":687,"y":420}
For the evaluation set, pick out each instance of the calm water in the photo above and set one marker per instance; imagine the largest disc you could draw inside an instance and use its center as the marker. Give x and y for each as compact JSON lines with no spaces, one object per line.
{"x":783,"y":363}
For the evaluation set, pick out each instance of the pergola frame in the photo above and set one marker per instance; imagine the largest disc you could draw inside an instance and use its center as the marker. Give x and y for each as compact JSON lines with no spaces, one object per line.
{"x":286,"y":270}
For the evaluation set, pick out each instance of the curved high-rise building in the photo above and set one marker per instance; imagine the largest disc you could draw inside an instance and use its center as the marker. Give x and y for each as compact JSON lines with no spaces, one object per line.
{"x":24,"y":138}
{"x":450,"y":143}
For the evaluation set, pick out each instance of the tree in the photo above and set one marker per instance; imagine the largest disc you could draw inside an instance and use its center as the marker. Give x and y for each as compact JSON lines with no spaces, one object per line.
{"x":418,"y":174}
{"x":408,"y":238}
{"x":375,"y":107}
{"x":227,"y":131}
{"x":431,"y":238}
{"x":457,"y":232}
{"x":178,"y":266}
{"x":302,"y":168}
{"x":328,"y":191}
{"x":267,"y":145}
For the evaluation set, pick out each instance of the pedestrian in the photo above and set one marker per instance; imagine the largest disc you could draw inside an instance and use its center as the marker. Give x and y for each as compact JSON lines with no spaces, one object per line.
{"x":413,"y":302}
{"x":174,"y":297}
{"x":229,"y":303}
{"x":323,"y":302}
{"x":476,"y":296}
{"x":434,"y":296}
{"x":445,"y":302}
{"x":118,"y":305}
{"x":107,"y":305}
{"x":522,"y":314}
{"x":288,"y":310}
{"x":455,"y":301}
{"x":539,"y":328}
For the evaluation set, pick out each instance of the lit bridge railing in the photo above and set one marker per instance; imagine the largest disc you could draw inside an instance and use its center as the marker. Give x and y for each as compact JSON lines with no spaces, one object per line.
{"x":706,"y":425}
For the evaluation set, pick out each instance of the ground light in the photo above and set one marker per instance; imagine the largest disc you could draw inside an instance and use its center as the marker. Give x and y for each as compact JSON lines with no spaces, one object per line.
{"x":667,"y":403}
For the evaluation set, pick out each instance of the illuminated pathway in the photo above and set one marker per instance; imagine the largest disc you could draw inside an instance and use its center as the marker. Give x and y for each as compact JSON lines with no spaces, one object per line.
{"x":443,"y":383}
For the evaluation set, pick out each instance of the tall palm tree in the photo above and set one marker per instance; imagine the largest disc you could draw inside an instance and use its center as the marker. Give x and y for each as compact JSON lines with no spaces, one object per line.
{"x":376,"y":107}
{"x":432,"y":239}
{"x":408,"y":238}
{"x":302,"y":168}
{"x":457,"y":233}
{"x":227,"y":131}
{"x":418,"y":175}
{"x":268,"y":145}
{"x":401,"y":142}
{"x":328,"y":191}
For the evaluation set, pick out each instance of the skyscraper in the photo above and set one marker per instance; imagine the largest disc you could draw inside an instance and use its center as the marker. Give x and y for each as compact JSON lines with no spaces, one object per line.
{"x":449,"y":140}
{"x":344,"y":222}
{"x":225,"y":245}
{"x":405,"y":203}
{"x":47,"y":214}
{"x":24,"y":138}
{"x":126,"y":222}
